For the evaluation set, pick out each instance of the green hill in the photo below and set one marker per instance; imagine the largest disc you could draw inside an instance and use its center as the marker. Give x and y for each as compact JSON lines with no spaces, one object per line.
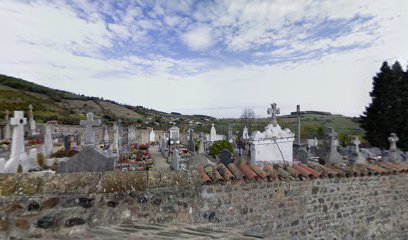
{"x":70,"y":108}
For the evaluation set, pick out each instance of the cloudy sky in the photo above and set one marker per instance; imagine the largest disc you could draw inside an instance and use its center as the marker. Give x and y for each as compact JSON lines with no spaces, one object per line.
{"x":207,"y":57}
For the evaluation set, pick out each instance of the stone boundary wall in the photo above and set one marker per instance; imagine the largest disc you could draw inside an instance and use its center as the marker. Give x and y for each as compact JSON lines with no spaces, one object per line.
{"x":374,"y":207}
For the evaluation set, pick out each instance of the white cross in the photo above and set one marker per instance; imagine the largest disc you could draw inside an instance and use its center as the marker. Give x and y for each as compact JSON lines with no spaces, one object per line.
{"x":18,"y":119}
{"x":393,"y":139}
{"x":273,"y":111}
{"x":357,"y":143}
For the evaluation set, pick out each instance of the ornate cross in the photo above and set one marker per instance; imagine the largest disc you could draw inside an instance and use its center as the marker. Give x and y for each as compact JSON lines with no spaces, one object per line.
{"x":88,"y":124}
{"x":273,"y":111}
{"x":357,"y":143}
{"x":18,"y":119}
{"x":333,"y":136}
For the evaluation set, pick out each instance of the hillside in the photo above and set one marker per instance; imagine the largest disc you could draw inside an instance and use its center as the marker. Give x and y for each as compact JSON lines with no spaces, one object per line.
{"x":70,"y":108}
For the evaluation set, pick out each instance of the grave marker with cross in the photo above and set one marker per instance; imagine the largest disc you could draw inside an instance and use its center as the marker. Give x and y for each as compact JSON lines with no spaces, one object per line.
{"x":273,"y":111}
{"x":18,"y":153}
{"x":357,"y":143}
{"x":89,"y":123}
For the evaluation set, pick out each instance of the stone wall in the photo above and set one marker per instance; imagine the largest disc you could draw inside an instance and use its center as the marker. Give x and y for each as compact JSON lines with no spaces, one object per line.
{"x":339,"y":208}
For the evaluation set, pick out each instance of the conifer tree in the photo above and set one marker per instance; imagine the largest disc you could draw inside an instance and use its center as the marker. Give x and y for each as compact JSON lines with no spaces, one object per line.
{"x":387,"y":113}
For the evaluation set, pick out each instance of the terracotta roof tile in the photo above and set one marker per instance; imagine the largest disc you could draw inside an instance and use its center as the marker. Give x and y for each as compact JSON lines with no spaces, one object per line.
{"x":225,"y":173}
{"x":273,"y":175}
{"x":235,"y":171}
{"x":248,"y":173}
{"x":259,"y":171}
{"x":204,"y":177}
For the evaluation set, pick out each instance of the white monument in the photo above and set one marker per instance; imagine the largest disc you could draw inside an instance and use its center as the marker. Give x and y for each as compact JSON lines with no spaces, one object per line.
{"x":89,"y":123}
{"x":394,"y":153}
{"x":152,"y":136}
{"x":274,"y":144}
{"x":18,"y":155}
{"x":48,"y":143}
{"x":106,"y":135}
{"x":214,"y":136}
{"x":245,"y":134}
{"x":32,"y":123}
{"x":174,"y":135}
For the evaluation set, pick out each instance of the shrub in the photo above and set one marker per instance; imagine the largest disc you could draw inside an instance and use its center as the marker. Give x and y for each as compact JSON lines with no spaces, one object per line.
{"x":64,"y":153}
{"x":218,"y":146}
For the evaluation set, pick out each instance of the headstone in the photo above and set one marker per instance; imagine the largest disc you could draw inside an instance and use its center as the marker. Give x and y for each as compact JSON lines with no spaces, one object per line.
{"x":245,"y":134}
{"x":393,"y":154}
{"x":273,"y":111}
{"x":303,"y":156}
{"x":357,"y":156}
{"x":67,"y":142}
{"x":225,"y":157}
{"x":174,"y":135}
{"x":334,"y":155}
{"x":18,"y":154}
{"x":48,"y":143}
{"x":132,"y":138}
{"x":7,"y":127}
{"x":274,"y":144}
{"x":89,"y":123}
{"x":32,"y":160}
{"x":191,"y":144}
{"x":229,"y":136}
{"x":87,"y":160}
{"x":117,"y":137}
{"x":175,"y":161}
{"x":201,"y":149}
{"x":213,"y":133}
{"x":32,"y":123}
{"x":106,"y":139}
{"x":152,"y":136}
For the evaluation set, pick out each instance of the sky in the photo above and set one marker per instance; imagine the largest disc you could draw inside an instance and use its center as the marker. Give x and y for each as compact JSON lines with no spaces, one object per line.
{"x":207,"y":57}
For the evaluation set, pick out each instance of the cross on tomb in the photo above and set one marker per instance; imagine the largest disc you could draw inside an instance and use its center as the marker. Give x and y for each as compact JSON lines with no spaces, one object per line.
{"x":273,"y":111}
{"x":357,"y":142}
{"x":18,"y":119}
{"x":88,"y":124}
{"x":333,"y":137}
{"x":393,"y":139}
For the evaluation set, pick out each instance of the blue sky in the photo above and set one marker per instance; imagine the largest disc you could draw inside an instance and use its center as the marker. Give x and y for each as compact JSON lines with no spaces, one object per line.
{"x":207,"y":57}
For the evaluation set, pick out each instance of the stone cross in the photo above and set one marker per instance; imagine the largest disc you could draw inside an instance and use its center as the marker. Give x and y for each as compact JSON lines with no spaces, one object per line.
{"x":298,"y":123}
{"x":7,"y":128}
{"x":357,"y":142}
{"x":17,"y":146}
{"x":89,"y":123}
{"x":393,"y":139}
{"x":245,"y":135}
{"x":273,"y":111}
{"x":32,"y":123}
{"x":48,"y":144}
{"x":333,"y":137}
{"x":191,"y":144}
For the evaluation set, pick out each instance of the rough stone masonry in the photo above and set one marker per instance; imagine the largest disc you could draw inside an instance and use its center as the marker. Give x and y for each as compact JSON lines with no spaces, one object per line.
{"x":372,"y":207}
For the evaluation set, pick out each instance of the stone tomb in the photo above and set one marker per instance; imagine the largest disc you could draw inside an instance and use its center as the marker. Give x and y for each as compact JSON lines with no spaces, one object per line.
{"x":87,"y":160}
{"x":274,"y":144}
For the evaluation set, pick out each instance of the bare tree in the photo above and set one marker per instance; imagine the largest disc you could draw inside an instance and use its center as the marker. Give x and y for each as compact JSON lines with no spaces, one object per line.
{"x":248,"y":113}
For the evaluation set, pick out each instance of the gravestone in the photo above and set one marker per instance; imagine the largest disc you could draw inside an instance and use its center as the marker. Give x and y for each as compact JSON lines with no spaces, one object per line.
{"x":334,"y":155}
{"x":225,"y":157}
{"x":48,"y":143}
{"x":67,"y":142}
{"x":132,"y":138}
{"x":117,"y":136}
{"x":87,"y":160}
{"x":274,"y":144}
{"x":175,"y":160}
{"x":106,"y":139}
{"x":245,"y":134}
{"x":7,"y":127}
{"x":201,"y":149}
{"x":174,"y":135}
{"x":303,"y":156}
{"x":89,"y":123}
{"x":393,"y":154}
{"x":191,"y":144}
{"x":230,"y":139}
{"x":18,"y":155}
{"x":357,"y":156}
{"x":152,"y":136}
{"x":32,"y":123}
{"x":213,"y":133}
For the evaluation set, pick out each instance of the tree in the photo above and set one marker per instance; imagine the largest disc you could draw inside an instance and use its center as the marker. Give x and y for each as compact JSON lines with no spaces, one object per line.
{"x":387,"y":112}
{"x":248,"y":113}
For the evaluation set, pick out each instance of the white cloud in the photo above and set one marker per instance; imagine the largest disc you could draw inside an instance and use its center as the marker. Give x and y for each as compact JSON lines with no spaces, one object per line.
{"x":199,"y":38}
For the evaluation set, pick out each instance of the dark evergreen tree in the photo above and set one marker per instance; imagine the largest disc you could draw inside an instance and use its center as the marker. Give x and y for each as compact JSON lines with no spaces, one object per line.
{"x":387,"y":112}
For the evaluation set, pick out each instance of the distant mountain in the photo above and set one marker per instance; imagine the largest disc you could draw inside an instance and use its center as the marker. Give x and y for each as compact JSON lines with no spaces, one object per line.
{"x":70,"y":108}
